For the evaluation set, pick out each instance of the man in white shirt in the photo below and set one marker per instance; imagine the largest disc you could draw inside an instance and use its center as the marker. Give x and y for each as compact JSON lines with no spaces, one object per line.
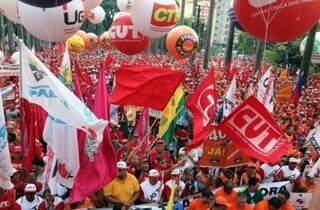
{"x":181,"y":190}
{"x":289,"y":172}
{"x":31,"y":201}
{"x":268,"y":172}
{"x":151,"y":189}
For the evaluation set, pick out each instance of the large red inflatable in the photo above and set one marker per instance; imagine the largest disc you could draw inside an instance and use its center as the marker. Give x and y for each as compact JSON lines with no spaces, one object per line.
{"x":126,"y":38}
{"x":277,"y":20}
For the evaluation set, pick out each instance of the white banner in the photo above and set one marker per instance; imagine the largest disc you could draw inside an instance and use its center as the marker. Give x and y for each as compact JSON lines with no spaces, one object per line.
{"x":9,"y":70}
{"x":7,"y":92}
{"x":230,"y":98}
{"x":41,"y":87}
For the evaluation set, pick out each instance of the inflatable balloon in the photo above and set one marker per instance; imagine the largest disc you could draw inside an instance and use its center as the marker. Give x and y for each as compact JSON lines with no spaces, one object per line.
{"x":277,"y":21}
{"x":182,"y":42}
{"x":316,"y":48}
{"x":154,"y":18}
{"x":125,"y":36}
{"x":10,"y":10}
{"x":46,"y":3}
{"x":124,"y":5}
{"x":75,"y":43}
{"x":15,"y":57}
{"x":81,"y":33}
{"x":90,"y":4}
{"x":96,"y":15}
{"x":104,"y":41}
{"x":52,"y":24}
{"x":91,"y":41}
{"x":2,"y":57}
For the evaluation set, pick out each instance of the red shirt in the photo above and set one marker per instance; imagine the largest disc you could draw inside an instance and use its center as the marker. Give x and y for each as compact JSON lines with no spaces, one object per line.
{"x":7,"y":201}
{"x":154,"y":155}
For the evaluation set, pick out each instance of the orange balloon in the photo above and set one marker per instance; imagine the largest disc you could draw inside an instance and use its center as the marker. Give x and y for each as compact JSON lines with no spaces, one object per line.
{"x":91,"y":41}
{"x":182,"y":42}
{"x":104,"y":41}
{"x":81,"y":33}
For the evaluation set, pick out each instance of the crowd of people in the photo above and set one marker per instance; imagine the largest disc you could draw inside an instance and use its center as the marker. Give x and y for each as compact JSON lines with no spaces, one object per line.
{"x":149,"y":176}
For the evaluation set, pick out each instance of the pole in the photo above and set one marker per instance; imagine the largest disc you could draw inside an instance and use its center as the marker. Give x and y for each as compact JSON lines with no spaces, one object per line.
{"x":229,"y":47}
{"x":183,"y":5}
{"x":259,"y":55}
{"x":306,"y":59}
{"x":21,"y":94}
{"x":209,"y":35}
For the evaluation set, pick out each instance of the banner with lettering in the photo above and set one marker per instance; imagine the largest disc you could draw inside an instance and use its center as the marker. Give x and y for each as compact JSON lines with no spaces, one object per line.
{"x":219,"y":151}
{"x":255,"y":132}
{"x":9,"y":70}
{"x":284,"y":92}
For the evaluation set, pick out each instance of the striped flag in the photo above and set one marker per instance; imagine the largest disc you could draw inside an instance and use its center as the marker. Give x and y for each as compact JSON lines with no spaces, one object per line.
{"x":171,"y":114}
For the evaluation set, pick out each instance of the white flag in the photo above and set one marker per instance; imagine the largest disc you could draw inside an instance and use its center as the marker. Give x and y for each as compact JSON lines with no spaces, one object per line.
{"x":270,"y":97}
{"x":5,"y":161}
{"x":230,"y":98}
{"x":41,"y":87}
{"x":61,"y":137}
{"x":265,"y":89}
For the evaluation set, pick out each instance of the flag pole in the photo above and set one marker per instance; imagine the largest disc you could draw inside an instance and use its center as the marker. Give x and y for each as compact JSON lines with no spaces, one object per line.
{"x":20,"y":97}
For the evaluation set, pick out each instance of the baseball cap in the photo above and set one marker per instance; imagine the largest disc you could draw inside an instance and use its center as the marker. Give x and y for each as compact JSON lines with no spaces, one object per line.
{"x":175,"y":172}
{"x":293,"y":160}
{"x":30,"y":188}
{"x":154,"y":173}
{"x":160,"y":141}
{"x":122,"y":165}
{"x":222,"y":201}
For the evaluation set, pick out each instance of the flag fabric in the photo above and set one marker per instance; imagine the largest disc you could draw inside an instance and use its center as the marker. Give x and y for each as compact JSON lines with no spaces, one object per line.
{"x":5,"y":161}
{"x":297,"y":90}
{"x":254,"y":131}
{"x":265,"y":93}
{"x":230,"y":100}
{"x":202,"y":104}
{"x":145,"y":86}
{"x":142,"y":129}
{"x":61,"y":137}
{"x":170,"y":204}
{"x":171,"y":114}
{"x":269,"y":103}
{"x":40,"y":86}
{"x":98,"y":163}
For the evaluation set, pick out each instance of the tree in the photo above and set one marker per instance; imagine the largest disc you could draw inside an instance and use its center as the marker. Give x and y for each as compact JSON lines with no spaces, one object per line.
{"x":246,"y":44}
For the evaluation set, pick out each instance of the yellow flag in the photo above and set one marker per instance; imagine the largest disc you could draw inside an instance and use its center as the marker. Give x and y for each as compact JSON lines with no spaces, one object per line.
{"x":171,"y":199}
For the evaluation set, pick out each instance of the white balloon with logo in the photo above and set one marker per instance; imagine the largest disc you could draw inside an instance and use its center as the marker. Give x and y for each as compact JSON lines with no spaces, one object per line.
{"x":15,"y":57}
{"x":90,"y":4}
{"x":10,"y":9}
{"x":124,"y":5}
{"x":53,"y":24}
{"x":97,"y":15}
{"x":154,"y":18}
{"x":1,"y":57}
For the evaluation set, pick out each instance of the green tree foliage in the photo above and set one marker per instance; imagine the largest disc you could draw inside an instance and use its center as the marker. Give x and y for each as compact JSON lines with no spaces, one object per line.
{"x":246,"y":44}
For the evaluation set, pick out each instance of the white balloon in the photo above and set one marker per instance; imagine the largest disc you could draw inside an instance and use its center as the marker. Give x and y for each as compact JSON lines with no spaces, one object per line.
{"x":97,"y":15}
{"x":52,"y":24}
{"x":90,"y":4}
{"x":10,"y":10}
{"x":154,"y":18}
{"x":15,"y":57}
{"x":1,"y":57}
{"x":124,"y":5}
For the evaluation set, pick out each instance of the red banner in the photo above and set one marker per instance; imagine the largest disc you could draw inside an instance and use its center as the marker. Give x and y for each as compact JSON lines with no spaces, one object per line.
{"x":254,"y":132}
{"x":219,"y":151}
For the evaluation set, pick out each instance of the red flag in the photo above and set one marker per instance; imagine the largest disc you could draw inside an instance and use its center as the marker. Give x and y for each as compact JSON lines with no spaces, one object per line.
{"x":202,"y":103}
{"x":100,"y":167}
{"x":145,"y":86}
{"x":142,"y":129}
{"x":255,"y":132}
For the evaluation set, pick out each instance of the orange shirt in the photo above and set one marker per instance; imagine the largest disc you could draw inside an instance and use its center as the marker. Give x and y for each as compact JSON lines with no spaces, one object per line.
{"x":288,"y":206}
{"x":234,"y":207}
{"x":197,"y":205}
{"x":262,"y":205}
{"x":231,"y":198}
{"x":310,"y":188}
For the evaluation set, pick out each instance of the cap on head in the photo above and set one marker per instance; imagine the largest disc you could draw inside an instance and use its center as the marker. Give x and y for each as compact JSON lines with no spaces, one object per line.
{"x":30,"y":188}
{"x":175,"y":172}
{"x":293,"y":160}
{"x":122,"y":165}
{"x":154,"y":173}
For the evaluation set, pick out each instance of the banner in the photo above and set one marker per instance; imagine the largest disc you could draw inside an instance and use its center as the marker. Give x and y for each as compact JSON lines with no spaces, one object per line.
{"x":301,"y":201}
{"x":314,"y":138}
{"x":284,"y":93}
{"x":219,"y":151}
{"x":254,"y":131}
{"x":283,"y":74}
{"x":8,"y":92}
{"x":10,"y":70}
{"x":270,"y":189}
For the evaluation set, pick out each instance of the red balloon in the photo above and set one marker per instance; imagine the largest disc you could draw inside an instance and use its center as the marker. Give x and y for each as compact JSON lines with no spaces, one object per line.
{"x":126,"y":38}
{"x":287,"y":19}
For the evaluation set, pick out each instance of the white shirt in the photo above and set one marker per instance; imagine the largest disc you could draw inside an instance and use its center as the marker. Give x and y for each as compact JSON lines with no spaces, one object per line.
{"x":287,"y":173}
{"x":151,"y":192}
{"x":269,"y":171}
{"x":26,"y":205}
{"x":182,"y":185}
